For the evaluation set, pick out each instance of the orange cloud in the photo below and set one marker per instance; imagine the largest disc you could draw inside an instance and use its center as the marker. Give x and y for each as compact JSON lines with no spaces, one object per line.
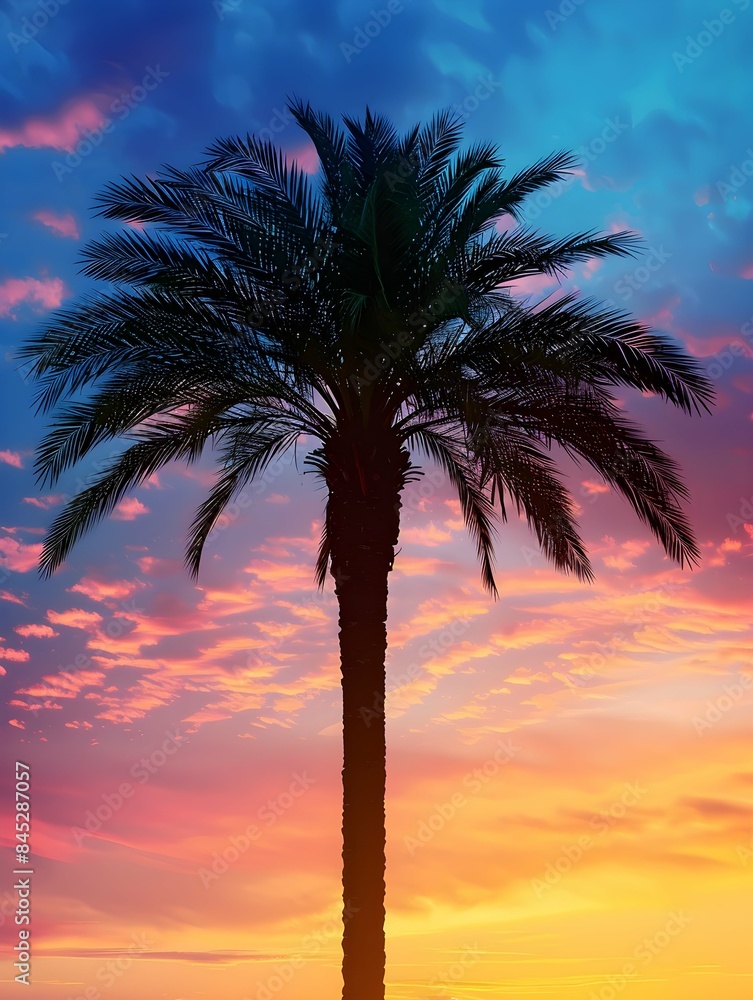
{"x":152,"y":566}
{"x":14,"y":655}
{"x":282,"y":577}
{"x":429,"y":535}
{"x":593,"y":489}
{"x":406,"y":565}
{"x":730,"y":545}
{"x":622,"y":555}
{"x":19,"y":557}
{"x":74,"y":618}
{"x":5,"y":595}
{"x":37,"y":631}
{"x":102,"y":590}
{"x":63,"y":684}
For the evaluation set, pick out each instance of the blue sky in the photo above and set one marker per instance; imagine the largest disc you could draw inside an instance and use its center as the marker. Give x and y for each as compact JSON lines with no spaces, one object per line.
{"x":120,"y":647}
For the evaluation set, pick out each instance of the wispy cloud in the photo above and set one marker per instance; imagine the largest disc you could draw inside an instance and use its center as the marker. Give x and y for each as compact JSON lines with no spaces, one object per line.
{"x":39,"y":293}
{"x":62,"y":225}
{"x":11,"y":458}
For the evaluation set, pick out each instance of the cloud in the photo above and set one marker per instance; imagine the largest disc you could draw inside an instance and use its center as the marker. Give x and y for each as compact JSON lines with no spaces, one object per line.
{"x":204,"y":957}
{"x":713,"y":808}
{"x":620,"y":556}
{"x":74,"y":618}
{"x":5,"y":595}
{"x":534,"y":284}
{"x":19,"y":557}
{"x":102,"y":590}
{"x":305,"y":157}
{"x":64,"y":684}
{"x":61,"y":131}
{"x":62,"y":225}
{"x":153,"y":566}
{"x":282,"y":577}
{"x":38,"y":631}
{"x":429,"y":535}
{"x":39,"y":293}
{"x":593,"y":489}
{"x":44,"y":503}
{"x":14,"y":655}
{"x":129,"y":509}
{"x":11,"y":458}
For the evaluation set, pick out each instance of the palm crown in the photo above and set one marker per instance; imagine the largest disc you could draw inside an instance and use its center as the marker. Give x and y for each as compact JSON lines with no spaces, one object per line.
{"x":259,"y":307}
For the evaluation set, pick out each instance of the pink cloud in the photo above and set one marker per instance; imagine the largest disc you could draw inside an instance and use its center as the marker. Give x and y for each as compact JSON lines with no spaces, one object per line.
{"x":11,"y":458}
{"x":44,"y":503}
{"x":17,"y":556}
{"x":51,"y":705}
{"x":620,"y":555}
{"x":38,"y":631}
{"x":593,"y":489}
{"x":74,"y":618}
{"x":305,"y":157}
{"x":152,"y":566}
{"x":278,"y":498}
{"x":14,"y":655}
{"x":534,"y":284}
{"x":5,"y":595}
{"x":129,"y":509}
{"x":61,"y":131}
{"x":429,"y":534}
{"x":63,"y":225}
{"x":16,"y":723}
{"x":101,"y":590}
{"x":64,"y":684}
{"x":281,"y":577}
{"x":591,"y":266}
{"x":40,"y":293}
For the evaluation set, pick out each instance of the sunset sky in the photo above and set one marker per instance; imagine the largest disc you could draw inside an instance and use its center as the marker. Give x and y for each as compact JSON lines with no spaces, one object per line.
{"x":570,"y":768}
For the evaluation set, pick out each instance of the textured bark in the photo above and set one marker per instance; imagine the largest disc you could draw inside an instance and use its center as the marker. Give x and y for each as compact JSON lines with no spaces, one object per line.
{"x":366,"y":475}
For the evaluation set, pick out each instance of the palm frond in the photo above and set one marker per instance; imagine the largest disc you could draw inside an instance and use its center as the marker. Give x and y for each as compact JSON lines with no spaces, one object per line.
{"x":260,"y":304}
{"x":241,"y":465}
{"x":477,"y":508}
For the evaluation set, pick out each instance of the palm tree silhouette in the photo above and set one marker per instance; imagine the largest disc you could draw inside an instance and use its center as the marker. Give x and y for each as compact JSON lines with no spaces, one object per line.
{"x":371,"y":312}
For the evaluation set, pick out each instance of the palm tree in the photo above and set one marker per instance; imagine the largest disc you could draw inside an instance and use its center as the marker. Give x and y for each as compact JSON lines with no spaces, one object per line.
{"x":369,"y":311}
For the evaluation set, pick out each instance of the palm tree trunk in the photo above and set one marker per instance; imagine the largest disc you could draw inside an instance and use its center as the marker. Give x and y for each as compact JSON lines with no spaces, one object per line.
{"x":363,"y":534}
